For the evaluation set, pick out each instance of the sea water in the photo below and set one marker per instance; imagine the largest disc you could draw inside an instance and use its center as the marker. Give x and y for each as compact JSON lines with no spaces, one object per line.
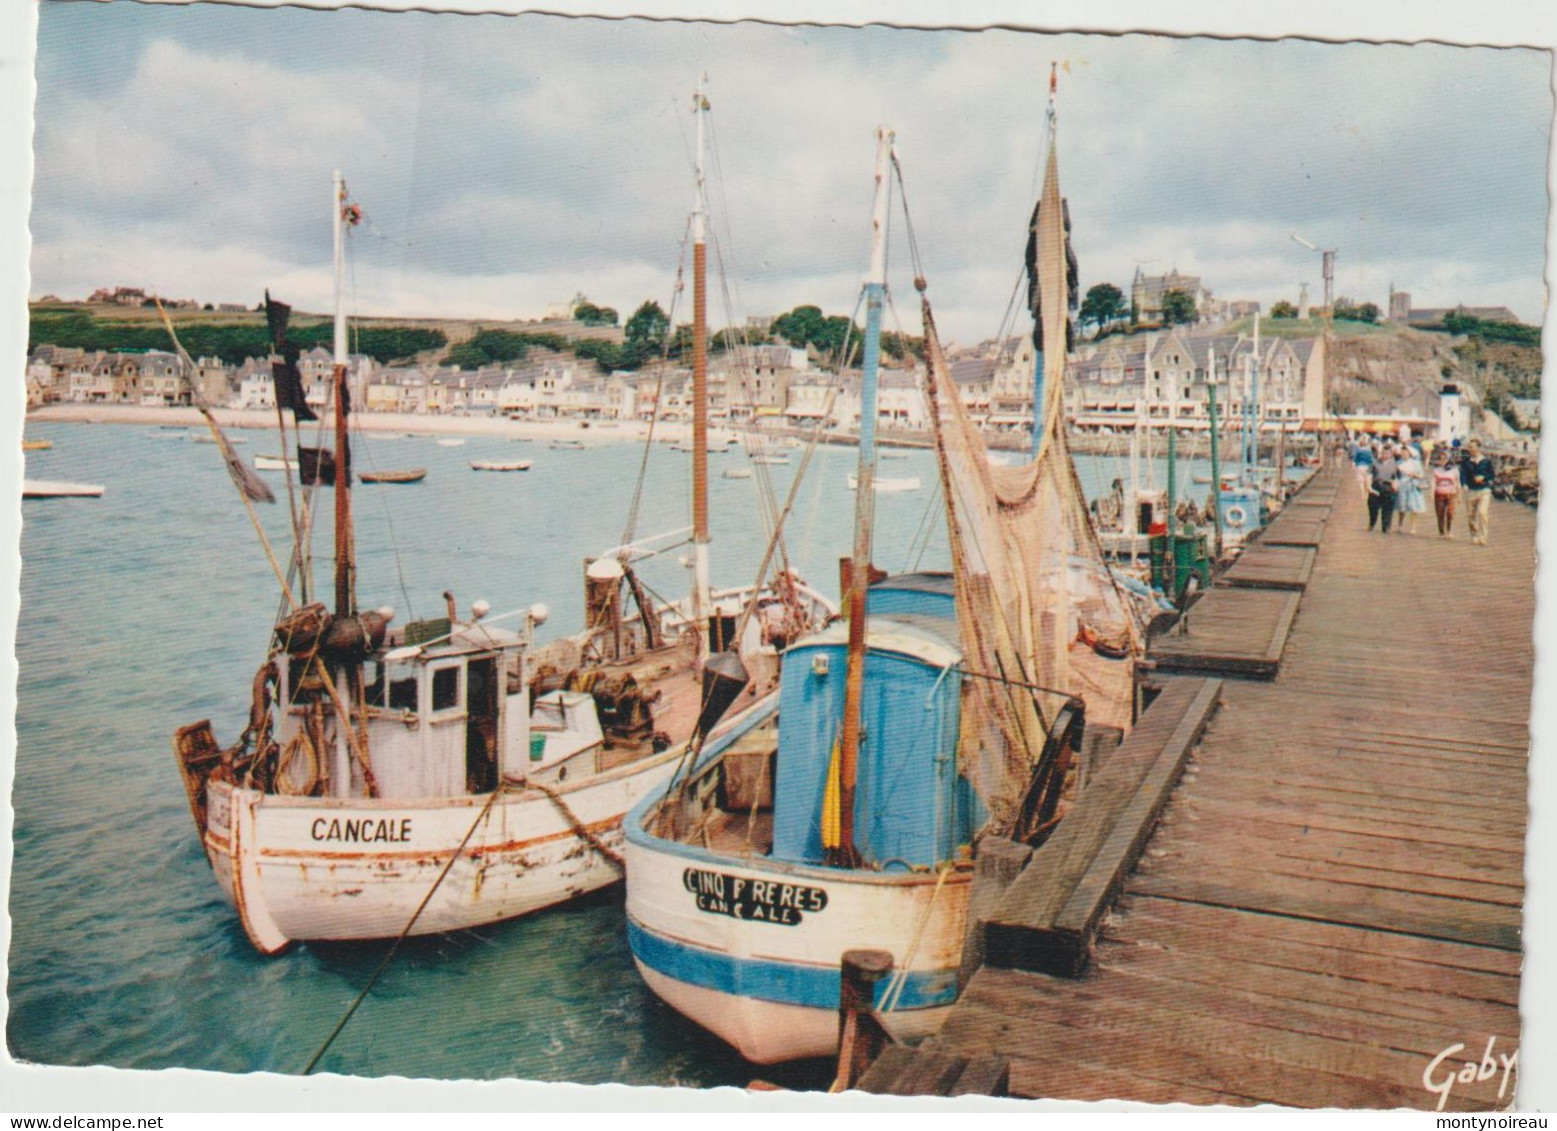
{"x":150,"y":608}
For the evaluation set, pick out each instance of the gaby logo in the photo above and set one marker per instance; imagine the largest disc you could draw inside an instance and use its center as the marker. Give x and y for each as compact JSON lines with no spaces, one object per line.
{"x":1446,"y":1070}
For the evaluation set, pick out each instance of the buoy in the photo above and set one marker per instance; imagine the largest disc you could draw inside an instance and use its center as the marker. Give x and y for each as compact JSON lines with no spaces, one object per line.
{"x":1236,"y":515}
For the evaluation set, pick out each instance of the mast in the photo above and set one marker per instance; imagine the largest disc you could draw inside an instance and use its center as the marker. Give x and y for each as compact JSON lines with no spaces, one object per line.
{"x":1046,"y":238}
{"x":1216,"y":473}
{"x":348,"y":676}
{"x":864,"y":505}
{"x":700,"y":591}
{"x":345,"y":560}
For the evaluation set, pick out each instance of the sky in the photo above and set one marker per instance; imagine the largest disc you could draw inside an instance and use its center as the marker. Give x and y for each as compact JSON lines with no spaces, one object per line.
{"x":506,"y":163}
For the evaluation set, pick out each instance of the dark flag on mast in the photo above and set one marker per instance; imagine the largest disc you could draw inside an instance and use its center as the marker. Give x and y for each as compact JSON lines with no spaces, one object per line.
{"x":288,"y":381}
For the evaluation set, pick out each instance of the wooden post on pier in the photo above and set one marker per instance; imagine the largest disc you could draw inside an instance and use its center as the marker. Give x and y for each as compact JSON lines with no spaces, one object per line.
{"x":860,"y":1036}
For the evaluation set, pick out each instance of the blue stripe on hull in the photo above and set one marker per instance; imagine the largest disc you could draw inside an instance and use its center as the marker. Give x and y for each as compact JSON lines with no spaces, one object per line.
{"x":785,"y":982}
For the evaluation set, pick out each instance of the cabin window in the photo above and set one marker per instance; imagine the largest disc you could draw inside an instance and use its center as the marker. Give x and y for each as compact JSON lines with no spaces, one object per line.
{"x":446,"y":689}
{"x":393,"y":686}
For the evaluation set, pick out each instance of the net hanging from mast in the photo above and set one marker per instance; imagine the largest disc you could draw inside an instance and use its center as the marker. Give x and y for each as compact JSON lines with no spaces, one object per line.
{"x":1036,"y":602}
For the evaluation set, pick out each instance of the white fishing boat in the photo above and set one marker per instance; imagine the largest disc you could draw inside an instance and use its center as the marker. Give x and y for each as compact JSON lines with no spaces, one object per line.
{"x":888,"y":483}
{"x":450,"y":773}
{"x":737,"y":473}
{"x":501,"y":465}
{"x":850,"y":814}
{"x":55,"y":489}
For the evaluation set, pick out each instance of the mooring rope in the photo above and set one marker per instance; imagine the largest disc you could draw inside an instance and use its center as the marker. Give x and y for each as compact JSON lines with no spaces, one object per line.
{"x":578,"y":826}
{"x":405,"y":931}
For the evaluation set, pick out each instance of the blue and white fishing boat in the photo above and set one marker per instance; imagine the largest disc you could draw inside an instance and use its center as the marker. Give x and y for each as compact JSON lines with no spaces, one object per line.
{"x":848,"y":813}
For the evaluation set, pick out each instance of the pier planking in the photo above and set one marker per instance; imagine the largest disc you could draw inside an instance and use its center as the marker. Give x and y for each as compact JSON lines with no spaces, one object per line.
{"x":1332,"y":896}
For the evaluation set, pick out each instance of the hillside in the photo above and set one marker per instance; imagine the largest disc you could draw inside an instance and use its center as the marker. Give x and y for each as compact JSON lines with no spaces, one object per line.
{"x":236,"y":335}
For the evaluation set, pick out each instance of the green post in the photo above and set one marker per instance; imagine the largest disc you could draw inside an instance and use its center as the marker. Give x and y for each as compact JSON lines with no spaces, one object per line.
{"x":1216,"y":474}
{"x":1173,"y":535}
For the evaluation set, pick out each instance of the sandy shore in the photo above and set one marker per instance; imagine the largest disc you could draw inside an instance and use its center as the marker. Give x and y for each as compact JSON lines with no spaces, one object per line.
{"x":265,"y":420}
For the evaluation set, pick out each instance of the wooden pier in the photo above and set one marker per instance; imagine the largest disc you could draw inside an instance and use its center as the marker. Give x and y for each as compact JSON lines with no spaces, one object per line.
{"x":1326,"y":910}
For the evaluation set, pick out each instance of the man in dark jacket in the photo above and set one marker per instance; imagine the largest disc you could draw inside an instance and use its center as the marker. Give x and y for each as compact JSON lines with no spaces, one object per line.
{"x":1381,"y":489}
{"x":1476,"y":476}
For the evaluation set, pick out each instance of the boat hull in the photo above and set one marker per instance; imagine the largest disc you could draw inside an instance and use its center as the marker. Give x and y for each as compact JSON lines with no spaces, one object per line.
{"x":301,"y":869}
{"x":762,"y":973}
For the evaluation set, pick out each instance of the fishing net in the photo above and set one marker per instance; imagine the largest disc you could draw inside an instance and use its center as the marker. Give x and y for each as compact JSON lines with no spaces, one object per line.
{"x":1038,"y":606}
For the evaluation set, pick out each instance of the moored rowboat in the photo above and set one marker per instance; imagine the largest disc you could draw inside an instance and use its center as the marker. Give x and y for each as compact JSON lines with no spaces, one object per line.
{"x":403,"y":475}
{"x":500,"y":465}
{"x":51,"y":489}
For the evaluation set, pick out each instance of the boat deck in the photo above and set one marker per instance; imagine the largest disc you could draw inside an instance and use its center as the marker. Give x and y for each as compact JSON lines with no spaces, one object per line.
{"x":1332,"y":897}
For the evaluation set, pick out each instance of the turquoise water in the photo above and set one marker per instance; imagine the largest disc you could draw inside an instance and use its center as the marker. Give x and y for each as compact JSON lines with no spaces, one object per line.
{"x":150,"y":608}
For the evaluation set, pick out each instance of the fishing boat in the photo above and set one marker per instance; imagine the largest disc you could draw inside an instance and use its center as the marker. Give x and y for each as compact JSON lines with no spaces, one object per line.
{"x":888,"y":483}
{"x":771,"y":460}
{"x":395,"y":475}
{"x":737,"y":473}
{"x":448,"y":773}
{"x":53,"y":489}
{"x":851,"y":814}
{"x":500,"y":465}
{"x":274,"y":463}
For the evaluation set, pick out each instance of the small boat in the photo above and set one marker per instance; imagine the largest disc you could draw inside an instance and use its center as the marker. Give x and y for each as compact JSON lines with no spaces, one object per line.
{"x":737,"y":473}
{"x":771,"y":461}
{"x":889,"y":453}
{"x":566,"y":446}
{"x":273,"y":463}
{"x":451,"y":442}
{"x":500,"y":465}
{"x":448,"y":773}
{"x":52,"y":489}
{"x":203,"y":438}
{"x":37,"y":445}
{"x":854,"y":811}
{"x":887,"y":483}
{"x":401,"y":475}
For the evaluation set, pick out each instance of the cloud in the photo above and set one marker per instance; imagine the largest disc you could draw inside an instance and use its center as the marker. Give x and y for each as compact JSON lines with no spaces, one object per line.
{"x":511,"y":161}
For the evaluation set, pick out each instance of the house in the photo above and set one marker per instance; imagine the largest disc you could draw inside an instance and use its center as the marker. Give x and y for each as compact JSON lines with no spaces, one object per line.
{"x":1146,"y":293}
{"x":160,"y":381}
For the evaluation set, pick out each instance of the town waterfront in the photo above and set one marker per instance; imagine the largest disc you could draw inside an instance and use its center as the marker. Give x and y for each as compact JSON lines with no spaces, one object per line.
{"x":149,"y":608}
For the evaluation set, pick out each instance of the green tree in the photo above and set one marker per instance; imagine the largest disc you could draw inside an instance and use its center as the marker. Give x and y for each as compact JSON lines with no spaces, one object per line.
{"x":800,"y":326}
{"x":646,"y":329}
{"x":1105,"y":303}
{"x":1177,"y":307}
{"x":1283,"y":309}
{"x":1368,"y":312}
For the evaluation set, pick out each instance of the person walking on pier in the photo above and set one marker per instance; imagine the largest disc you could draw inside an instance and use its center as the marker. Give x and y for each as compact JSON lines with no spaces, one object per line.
{"x":1446,"y":492}
{"x":1476,"y":475}
{"x":1363,"y":460}
{"x":1382,"y":485}
{"x":1409,"y":501}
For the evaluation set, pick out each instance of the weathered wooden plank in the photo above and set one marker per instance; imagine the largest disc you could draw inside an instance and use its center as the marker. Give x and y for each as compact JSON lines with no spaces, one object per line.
{"x":1050,"y":914}
{"x":1433,"y":916}
{"x":1231,"y":631}
{"x":885,"y":1070}
{"x":983,"y":1075}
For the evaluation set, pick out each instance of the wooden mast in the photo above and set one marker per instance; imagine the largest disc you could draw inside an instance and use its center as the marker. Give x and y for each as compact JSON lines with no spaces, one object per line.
{"x":345,"y":556}
{"x":348,"y":676}
{"x":864,"y":505}
{"x":700,"y":591}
